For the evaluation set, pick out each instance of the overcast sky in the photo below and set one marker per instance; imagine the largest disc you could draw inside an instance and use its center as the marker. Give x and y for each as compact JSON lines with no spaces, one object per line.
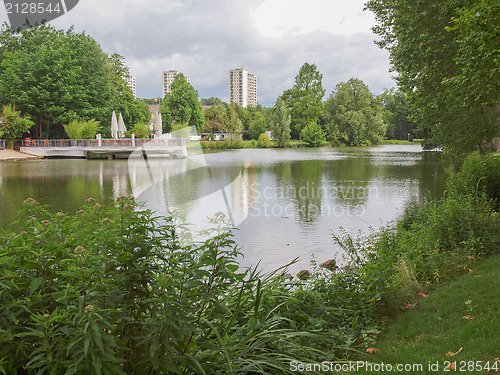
{"x":205,"y":38}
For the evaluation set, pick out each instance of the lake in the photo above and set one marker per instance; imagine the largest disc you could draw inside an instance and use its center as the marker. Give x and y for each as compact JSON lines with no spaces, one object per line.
{"x":284,"y":203}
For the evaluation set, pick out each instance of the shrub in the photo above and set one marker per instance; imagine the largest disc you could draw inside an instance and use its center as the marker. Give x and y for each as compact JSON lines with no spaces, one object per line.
{"x":313,"y":135}
{"x":264,"y":141}
{"x":140,"y":131}
{"x":82,"y":129}
{"x":116,"y":290}
{"x":479,"y":174}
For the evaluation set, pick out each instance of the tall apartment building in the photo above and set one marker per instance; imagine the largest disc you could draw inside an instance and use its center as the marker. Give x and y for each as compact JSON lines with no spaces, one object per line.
{"x":168,"y":78}
{"x":242,"y":88}
{"x":131,"y":84}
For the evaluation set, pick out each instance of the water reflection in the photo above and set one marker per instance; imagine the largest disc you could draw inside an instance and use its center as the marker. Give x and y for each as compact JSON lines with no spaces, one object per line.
{"x":285,"y":203}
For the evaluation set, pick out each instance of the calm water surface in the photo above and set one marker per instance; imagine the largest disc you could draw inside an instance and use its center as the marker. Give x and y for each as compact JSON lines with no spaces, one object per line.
{"x":285,"y":203}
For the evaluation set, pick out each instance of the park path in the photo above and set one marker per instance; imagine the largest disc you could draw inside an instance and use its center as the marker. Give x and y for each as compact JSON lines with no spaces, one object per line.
{"x":11,"y":155}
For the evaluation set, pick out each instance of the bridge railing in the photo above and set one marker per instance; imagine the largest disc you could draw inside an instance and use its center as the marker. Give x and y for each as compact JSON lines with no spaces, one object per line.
{"x":128,"y":142}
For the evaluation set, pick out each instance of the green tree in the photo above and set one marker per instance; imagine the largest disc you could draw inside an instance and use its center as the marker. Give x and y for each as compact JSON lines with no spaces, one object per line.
{"x":355,"y":118}
{"x":13,"y":126}
{"x":134,"y":111}
{"x":396,"y":114}
{"x":214,"y":120}
{"x":53,"y":76}
{"x":213,"y":101}
{"x":313,"y":135}
{"x":305,"y":98}
{"x":258,"y":125}
{"x":279,"y":123}
{"x":181,"y":106}
{"x":232,"y":122}
{"x":58,"y":76}
{"x":446,"y":54}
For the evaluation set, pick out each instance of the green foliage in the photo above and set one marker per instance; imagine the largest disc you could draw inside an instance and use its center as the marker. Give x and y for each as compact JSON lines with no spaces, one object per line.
{"x":396,"y":113}
{"x":479,"y":174}
{"x":13,"y":125}
{"x":232,"y":120}
{"x":116,"y":290}
{"x":182,"y":106}
{"x":213,"y":101}
{"x":452,"y":82}
{"x":140,"y":130}
{"x":82,"y":129}
{"x":279,"y":123}
{"x":432,"y":243}
{"x":214,"y":120}
{"x":305,"y":99}
{"x":354,"y":116}
{"x":263,"y":141}
{"x":56,"y":76}
{"x":258,"y":126}
{"x":313,"y":135}
{"x":226,"y":144}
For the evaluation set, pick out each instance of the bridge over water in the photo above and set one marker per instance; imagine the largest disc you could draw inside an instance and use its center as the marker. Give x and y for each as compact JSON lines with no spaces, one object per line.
{"x":111,"y":148}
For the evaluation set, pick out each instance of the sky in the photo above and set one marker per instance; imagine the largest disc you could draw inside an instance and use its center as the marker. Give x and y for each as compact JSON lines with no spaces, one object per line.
{"x":204,"y":39}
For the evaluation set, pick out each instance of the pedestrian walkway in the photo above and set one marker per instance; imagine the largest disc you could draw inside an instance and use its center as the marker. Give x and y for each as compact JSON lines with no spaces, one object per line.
{"x":11,"y":155}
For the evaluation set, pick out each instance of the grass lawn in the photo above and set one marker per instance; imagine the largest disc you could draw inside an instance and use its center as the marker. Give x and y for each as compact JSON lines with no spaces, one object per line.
{"x":459,"y":322}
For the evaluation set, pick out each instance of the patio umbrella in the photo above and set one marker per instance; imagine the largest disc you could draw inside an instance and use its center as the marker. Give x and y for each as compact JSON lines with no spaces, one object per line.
{"x":114,"y":126}
{"x":121,"y":127}
{"x":158,"y":126}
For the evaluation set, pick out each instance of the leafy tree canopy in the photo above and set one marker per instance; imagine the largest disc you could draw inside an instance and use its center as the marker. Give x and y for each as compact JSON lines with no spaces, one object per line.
{"x":279,"y":123}
{"x":13,"y":125}
{"x":354,"y":116}
{"x":396,"y":114}
{"x":181,"y":106}
{"x":313,"y":135}
{"x":305,"y":98}
{"x":57,"y":76}
{"x":447,"y":57}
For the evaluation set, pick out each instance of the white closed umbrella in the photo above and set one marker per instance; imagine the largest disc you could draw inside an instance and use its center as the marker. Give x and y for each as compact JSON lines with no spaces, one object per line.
{"x":121,"y":127}
{"x":114,"y":126}
{"x":158,"y":126}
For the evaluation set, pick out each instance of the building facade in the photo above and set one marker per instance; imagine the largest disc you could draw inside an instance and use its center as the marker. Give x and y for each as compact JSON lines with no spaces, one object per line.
{"x":242,"y":88}
{"x":168,"y":78}
{"x":131,"y":84}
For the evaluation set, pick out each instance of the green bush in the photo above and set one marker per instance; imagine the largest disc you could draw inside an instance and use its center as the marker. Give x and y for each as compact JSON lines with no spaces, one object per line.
{"x":222,"y":145}
{"x":82,"y":129}
{"x":264,"y":141}
{"x":313,"y":135}
{"x":116,"y":290}
{"x":140,"y":131}
{"x":431,"y":244}
{"x":479,"y":174}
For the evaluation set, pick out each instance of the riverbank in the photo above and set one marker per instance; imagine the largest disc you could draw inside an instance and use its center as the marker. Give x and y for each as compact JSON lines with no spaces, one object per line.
{"x":11,"y":155}
{"x":239,"y":144}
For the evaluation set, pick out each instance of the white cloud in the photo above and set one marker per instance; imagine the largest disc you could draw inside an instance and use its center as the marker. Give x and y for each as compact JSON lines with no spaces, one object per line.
{"x":276,"y":18}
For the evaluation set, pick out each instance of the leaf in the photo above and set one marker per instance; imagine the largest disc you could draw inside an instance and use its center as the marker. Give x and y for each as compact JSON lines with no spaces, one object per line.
{"x":451,"y":354}
{"x":469,"y":317}
{"x":35,"y":284}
